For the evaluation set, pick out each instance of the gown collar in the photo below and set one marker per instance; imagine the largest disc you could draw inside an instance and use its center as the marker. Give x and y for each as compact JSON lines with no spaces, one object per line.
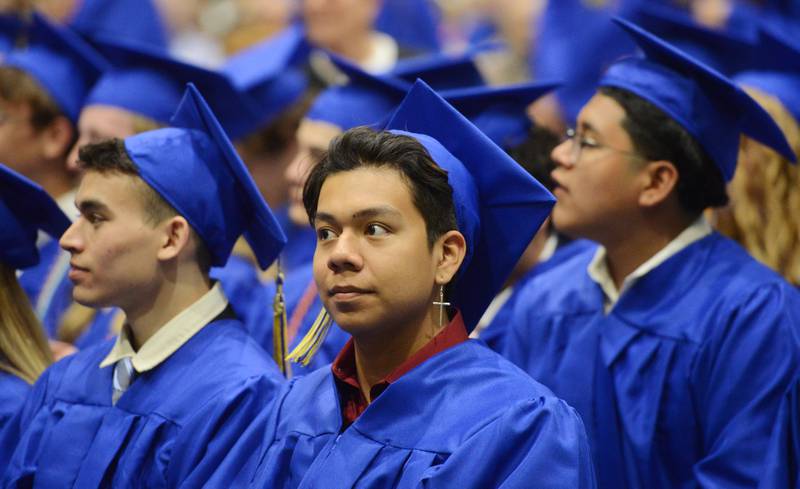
{"x":170,"y":337}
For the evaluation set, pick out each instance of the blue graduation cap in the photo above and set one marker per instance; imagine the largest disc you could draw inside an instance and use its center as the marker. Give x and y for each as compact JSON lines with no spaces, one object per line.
{"x":195,"y":168}
{"x":10,"y":28}
{"x":499,"y":206}
{"x":365,"y":100}
{"x":441,"y":71}
{"x":271,"y":75}
{"x":576,"y":43}
{"x":499,"y":112}
{"x":709,"y":106}
{"x":63,"y":63}
{"x":726,"y":50}
{"x":414,"y":24}
{"x":776,"y":65}
{"x":25,"y":209}
{"x":135,"y":21}
{"x":150,"y":82}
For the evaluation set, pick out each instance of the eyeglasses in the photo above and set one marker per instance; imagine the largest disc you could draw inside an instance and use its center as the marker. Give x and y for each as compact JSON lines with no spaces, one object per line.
{"x":580,"y":143}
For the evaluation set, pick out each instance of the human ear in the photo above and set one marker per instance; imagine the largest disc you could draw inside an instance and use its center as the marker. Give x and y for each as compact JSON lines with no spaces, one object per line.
{"x":659,"y":180}
{"x":176,"y":236}
{"x":451,"y":248}
{"x":57,"y":137}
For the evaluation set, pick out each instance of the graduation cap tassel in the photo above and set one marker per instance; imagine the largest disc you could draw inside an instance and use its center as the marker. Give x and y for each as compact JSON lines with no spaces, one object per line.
{"x":279,"y":325}
{"x":311,"y":343}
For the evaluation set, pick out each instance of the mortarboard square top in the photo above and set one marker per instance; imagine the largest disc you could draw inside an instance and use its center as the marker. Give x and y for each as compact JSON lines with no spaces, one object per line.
{"x":25,"y":209}
{"x":270,"y":75}
{"x":195,"y":168}
{"x":441,"y":71}
{"x":776,"y":67}
{"x":499,"y":112}
{"x":499,"y":206}
{"x":135,"y":21}
{"x":709,"y":106}
{"x":727,"y":50}
{"x":365,"y":100}
{"x":150,"y":82}
{"x":63,"y":63}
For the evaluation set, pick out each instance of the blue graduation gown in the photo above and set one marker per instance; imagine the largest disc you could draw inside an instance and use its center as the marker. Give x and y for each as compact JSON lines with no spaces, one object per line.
{"x":680,"y":383}
{"x":494,"y":334}
{"x":783,"y":458}
{"x":465,"y":418}
{"x":53,"y":267}
{"x":13,"y":391}
{"x":171,"y":427}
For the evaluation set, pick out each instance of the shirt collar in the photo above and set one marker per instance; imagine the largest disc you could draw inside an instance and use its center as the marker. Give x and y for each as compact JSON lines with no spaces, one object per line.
{"x":598,"y":268}
{"x":344,"y":366}
{"x":170,"y":337}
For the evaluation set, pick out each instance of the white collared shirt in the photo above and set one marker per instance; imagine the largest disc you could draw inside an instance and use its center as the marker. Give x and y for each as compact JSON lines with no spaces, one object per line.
{"x":170,"y":337}
{"x":598,"y":268}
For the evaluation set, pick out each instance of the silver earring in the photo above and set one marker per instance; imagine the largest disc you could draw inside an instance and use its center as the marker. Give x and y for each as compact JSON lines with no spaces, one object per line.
{"x":442,"y":304}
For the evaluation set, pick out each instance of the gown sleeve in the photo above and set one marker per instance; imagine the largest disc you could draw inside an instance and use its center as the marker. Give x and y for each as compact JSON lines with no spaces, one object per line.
{"x":739,"y":377}
{"x":535,"y":443}
{"x":782,"y":469}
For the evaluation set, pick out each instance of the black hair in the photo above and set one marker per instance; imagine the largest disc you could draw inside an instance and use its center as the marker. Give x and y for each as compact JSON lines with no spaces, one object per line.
{"x":656,"y":136}
{"x":363,"y":147}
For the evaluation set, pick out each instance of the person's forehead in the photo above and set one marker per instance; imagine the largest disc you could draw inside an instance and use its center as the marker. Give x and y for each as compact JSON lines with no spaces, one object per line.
{"x":601,"y":114}
{"x":365,"y":187}
{"x":316,"y":134}
{"x":115,"y":190}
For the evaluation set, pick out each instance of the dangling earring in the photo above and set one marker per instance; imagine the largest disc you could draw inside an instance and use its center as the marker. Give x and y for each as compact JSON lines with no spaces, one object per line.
{"x":442,"y":304}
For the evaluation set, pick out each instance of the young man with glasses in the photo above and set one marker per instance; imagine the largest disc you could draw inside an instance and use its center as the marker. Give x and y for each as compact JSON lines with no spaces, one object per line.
{"x":673,"y":344}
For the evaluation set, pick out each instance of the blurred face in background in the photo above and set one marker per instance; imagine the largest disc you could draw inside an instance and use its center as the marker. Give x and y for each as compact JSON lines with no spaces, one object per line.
{"x":97,"y":123}
{"x":332,"y":22}
{"x":313,"y":137}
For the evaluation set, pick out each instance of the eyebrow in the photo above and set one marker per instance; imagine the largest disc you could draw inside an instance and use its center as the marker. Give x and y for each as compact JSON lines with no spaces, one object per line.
{"x":368,"y":213}
{"x":91,"y":205}
{"x":586,"y":126}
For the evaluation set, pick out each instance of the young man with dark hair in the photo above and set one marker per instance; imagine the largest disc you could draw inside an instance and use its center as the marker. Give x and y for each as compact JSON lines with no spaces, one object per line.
{"x":160,"y":405}
{"x":673,"y":344}
{"x":43,"y":85}
{"x":406,"y":226}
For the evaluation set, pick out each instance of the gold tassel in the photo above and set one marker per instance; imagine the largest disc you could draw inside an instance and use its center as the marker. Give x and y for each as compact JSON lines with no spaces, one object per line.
{"x":312,"y":341}
{"x":279,"y":326}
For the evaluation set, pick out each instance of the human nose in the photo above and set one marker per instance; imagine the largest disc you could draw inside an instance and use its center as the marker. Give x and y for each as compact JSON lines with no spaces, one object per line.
{"x":345,"y":254}
{"x":71,"y":240}
{"x":564,"y":154}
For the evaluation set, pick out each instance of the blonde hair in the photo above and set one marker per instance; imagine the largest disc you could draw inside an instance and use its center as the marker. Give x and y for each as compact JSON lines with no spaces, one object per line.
{"x":24,"y":351}
{"x":765,"y":197}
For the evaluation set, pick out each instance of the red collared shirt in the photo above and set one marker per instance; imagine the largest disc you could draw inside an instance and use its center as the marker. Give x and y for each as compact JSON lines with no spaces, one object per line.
{"x":352,"y":399}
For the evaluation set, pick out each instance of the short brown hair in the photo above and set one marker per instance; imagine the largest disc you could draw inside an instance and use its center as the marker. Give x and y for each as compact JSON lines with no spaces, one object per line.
{"x":110,"y":156}
{"x":18,"y":87}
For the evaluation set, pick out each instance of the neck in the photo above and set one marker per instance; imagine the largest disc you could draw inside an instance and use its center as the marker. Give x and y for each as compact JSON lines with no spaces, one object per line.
{"x":357,"y":47}
{"x":380,"y":353}
{"x":166,"y":301}
{"x":627,"y":251}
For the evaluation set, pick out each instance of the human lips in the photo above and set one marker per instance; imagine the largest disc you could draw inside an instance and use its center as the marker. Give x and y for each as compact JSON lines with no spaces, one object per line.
{"x":346,"y":292}
{"x":76,"y":271}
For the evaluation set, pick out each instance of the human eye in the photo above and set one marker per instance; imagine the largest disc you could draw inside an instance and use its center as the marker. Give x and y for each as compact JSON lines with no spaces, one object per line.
{"x":325,"y":234}
{"x":95,"y":218}
{"x":376,"y":230}
{"x":588,"y":142}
